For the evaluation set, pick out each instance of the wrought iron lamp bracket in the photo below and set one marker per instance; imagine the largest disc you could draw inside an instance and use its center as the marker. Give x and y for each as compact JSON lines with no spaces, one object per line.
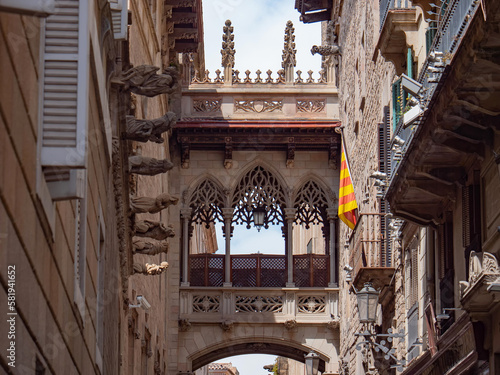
{"x":370,"y":341}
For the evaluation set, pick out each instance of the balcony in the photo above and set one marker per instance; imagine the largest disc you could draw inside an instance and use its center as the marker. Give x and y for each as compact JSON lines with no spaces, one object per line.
{"x":275,"y":305}
{"x":459,"y":81}
{"x":371,"y":257}
{"x":259,"y":270}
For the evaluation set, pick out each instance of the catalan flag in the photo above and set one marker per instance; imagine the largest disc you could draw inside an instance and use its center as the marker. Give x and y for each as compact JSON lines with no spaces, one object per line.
{"x":348,"y":208}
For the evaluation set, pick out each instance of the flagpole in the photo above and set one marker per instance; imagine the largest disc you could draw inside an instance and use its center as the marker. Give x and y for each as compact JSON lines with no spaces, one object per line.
{"x":340,"y":130}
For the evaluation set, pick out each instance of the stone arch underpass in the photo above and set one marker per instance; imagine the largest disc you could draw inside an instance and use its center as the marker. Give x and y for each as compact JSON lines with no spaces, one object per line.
{"x":201,"y":344}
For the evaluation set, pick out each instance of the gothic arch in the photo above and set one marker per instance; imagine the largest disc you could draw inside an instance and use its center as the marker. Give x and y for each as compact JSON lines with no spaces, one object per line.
{"x":311,"y":199}
{"x":206,"y":197}
{"x":259,"y":186}
{"x":255,"y":345}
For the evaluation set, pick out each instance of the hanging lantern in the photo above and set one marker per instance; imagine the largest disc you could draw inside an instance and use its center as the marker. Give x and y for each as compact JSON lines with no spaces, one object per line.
{"x":367,"y":303}
{"x":312,"y":363}
{"x":259,"y":217}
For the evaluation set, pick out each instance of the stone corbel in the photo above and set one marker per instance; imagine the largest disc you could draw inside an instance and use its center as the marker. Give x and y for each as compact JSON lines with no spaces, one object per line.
{"x":185,"y":154}
{"x":333,"y":159}
{"x":228,"y":153}
{"x":227,"y":325}
{"x":290,"y":153}
{"x":184,"y":325}
{"x":290,"y":324}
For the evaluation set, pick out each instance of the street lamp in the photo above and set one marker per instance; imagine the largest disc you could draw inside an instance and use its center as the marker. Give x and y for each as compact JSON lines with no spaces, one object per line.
{"x":367,"y":303}
{"x":312,"y":363}
{"x":259,"y":216}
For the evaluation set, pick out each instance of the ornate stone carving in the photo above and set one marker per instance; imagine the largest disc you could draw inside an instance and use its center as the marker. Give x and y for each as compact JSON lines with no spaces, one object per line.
{"x":236,"y":78}
{"x":149,"y":248}
{"x":207,"y":105}
{"x":311,"y":106}
{"x":226,"y":325}
{"x":218,"y":78}
{"x":149,"y":130}
{"x":152,"y":205}
{"x":290,"y":324}
{"x":288,"y":57}
{"x":333,"y":324}
{"x":311,"y":304}
{"x":269,"y":79}
{"x":148,"y":166}
{"x":258,"y":105}
{"x":153,"y":229}
{"x":326,"y":50}
{"x":310,"y":79}
{"x":272,"y":304}
{"x":184,"y":325}
{"x":150,"y":269}
{"x":206,"y":304}
{"x":227,"y":50}
{"x":483,"y":269}
{"x":143,"y":80}
{"x":258,"y":79}
{"x":299,"y":78}
{"x":311,"y":203}
{"x":207,"y":201}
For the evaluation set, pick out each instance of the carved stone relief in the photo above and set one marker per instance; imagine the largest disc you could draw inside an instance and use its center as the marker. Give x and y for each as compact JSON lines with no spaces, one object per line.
{"x":148,"y":166}
{"x":227,"y":50}
{"x":288,"y":57}
{"x":150,"y":269}
{"x":207,"y":105}
{"x":311,"y":106}
{"x":153,"y":229}
{"x":149,"y":130}
{"x":258,"y":105}
{"x":149,"y":248}
{"x":143,"y":80}
{"x":152,"y":205}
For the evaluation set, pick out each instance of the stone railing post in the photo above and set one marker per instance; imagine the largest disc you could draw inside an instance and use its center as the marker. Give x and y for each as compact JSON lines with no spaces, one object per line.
{"x":185,"y":217}
{"x":332,"y":246}
{"x":289,"y":218}
{"x":288,"y":58}
{"x":228,"y":219}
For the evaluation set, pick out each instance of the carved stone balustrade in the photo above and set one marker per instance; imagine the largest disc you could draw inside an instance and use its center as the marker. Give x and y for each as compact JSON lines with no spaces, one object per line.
{"x":276,"y":305}
{"x":476,"y":296}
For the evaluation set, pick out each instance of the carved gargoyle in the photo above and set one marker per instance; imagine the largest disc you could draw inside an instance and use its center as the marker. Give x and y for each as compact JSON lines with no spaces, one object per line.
{"x":326,"y":50}
{"x":150,"y":269}
{"x":143,"y":80}
{"x":184,"y":325}
{"x":149,"y":130}
{"x":148,"y":166}
{"x":152,"y":205}
{"x":149,"y":248}
{"x":153,"y":229}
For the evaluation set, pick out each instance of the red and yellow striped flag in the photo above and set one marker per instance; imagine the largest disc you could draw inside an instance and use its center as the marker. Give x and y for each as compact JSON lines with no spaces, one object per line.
{"x":347,"y":201}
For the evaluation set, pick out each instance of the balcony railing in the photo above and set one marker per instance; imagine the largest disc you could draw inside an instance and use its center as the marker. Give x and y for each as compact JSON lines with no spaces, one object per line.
{"x":387,"y":5}
{"x":369,"y":246}
{"x":448,"y":30}
{"x":259,"y":270}
{"x":212,"y":305}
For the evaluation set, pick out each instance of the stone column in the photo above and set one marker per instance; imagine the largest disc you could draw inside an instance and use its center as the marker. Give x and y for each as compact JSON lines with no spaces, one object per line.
{"x":332,"y":220}
{"x":289,"y":218}
{"x":185,"y":217}
{"x":228,"y":219}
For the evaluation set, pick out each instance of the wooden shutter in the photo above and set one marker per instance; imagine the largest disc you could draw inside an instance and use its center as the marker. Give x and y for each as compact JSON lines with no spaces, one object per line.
{"x":119,"y":16}
{"x":65,"y":86}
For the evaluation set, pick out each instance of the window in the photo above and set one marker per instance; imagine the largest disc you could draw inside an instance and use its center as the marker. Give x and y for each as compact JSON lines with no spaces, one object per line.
{"x":412,"y":297}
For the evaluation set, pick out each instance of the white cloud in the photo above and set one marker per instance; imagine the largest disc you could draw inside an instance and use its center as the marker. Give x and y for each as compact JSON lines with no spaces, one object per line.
{"x":259,"y":27}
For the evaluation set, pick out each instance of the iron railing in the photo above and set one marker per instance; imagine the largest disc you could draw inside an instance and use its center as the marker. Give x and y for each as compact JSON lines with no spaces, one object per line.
{"x":452,"y":20}
{"x":367,"y":243}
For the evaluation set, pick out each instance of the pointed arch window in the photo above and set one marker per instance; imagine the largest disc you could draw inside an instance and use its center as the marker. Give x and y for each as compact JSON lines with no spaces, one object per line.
{"x":311,"y":204}
{"x":207,"y":202}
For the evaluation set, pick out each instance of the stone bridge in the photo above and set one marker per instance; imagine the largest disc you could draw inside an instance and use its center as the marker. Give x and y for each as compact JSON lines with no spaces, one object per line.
{"x":216,"y":323}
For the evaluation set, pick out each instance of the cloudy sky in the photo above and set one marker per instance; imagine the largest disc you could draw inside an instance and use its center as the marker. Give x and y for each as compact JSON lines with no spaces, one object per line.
{"x":259,"y":27}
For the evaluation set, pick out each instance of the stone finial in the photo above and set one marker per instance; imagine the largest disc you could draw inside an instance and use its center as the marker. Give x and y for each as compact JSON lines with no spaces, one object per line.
{"x":143,"y":80}
{"x":152,"y":205}
{"x":227,"y":50}
{"x":149,"y":130}
{"x":153,"y":229}
{"x":288,"y":57}
{"x":149,"y":248}
{"x":150,"y":269}
{"x":148,"y":166}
